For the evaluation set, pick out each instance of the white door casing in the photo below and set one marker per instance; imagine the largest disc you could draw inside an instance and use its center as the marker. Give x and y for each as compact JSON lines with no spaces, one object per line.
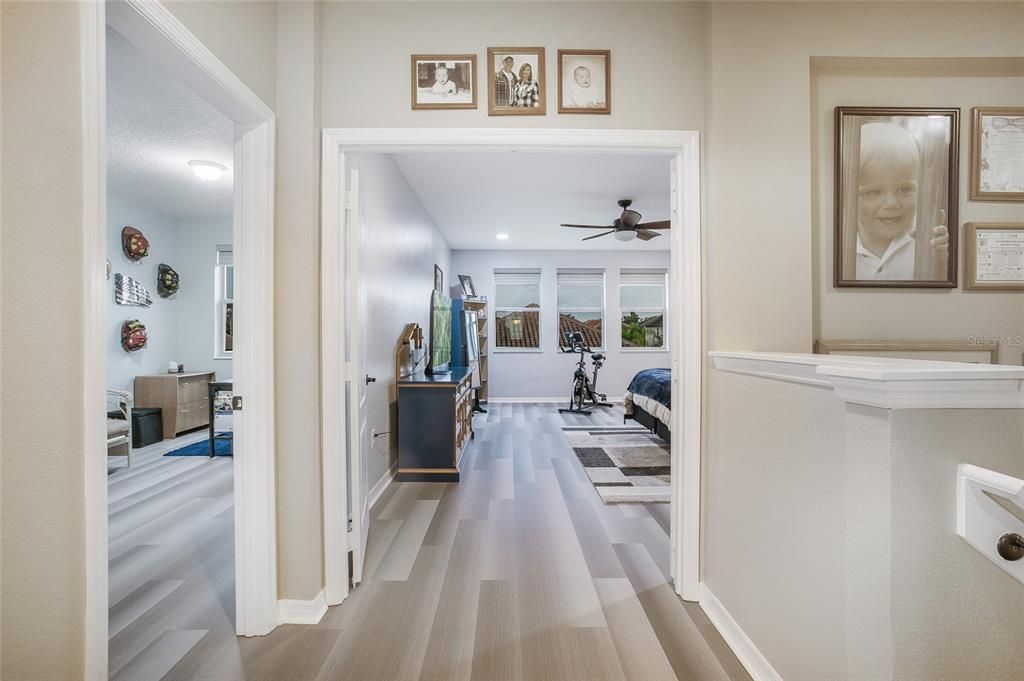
{"x":686,"y":324}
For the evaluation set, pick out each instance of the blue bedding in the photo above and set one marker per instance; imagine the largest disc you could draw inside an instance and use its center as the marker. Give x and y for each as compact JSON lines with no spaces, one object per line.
{"x":655,"y":384}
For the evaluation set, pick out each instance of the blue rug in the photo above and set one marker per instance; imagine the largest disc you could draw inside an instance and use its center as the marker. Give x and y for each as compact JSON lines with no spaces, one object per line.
{"x":202,"y":448}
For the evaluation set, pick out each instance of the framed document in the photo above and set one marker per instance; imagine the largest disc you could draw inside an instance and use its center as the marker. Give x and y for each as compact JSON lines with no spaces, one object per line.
{"x":994,"y":255}
{"x":997,"y":154}
{"x":896,"y":197}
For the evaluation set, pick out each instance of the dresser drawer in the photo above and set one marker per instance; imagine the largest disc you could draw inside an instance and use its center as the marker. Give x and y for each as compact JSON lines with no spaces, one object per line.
{"x":193,"y":388}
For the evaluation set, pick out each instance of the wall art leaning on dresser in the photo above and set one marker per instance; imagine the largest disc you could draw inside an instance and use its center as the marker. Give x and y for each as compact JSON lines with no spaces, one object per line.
{"x":128,"y":291}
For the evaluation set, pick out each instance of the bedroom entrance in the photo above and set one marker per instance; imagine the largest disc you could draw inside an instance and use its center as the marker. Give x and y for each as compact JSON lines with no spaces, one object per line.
{"x":532,"y":303}
{"x":186,"y":557}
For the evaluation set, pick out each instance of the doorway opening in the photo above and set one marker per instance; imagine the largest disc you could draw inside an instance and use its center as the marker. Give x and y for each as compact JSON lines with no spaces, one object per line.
{"x":238,"y":271}
{"x":349,"y":491}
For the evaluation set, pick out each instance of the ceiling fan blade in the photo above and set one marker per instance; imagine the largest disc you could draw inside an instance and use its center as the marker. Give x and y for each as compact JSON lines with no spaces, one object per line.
{"x":645,"y":235}
{"x":597,"y":235}
{"x":630,"y":218}
{"x":587,"y":226}
{"x":660,"y":224}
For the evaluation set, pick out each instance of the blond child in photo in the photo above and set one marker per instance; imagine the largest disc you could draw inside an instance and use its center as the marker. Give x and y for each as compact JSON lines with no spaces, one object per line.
{"x":442,"y":86}
{"x":887,"y":203}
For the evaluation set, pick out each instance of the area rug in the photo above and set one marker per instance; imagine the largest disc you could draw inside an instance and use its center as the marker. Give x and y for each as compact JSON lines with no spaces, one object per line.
{"x":626,"y":465}
{"x":221,"y":447}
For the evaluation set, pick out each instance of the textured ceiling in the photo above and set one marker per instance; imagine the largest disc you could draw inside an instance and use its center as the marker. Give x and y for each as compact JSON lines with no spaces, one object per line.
{"x":473,"y":196}
{"x":155,"y":126}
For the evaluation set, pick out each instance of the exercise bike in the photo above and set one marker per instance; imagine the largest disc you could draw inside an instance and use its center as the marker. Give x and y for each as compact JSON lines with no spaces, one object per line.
{"x":584,"y":390}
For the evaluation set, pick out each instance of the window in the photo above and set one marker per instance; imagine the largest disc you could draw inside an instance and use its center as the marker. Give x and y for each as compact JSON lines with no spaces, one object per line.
{"x":517,"y":309}
{"x":224,"y":303}
{"x":642,"y":296}
{"x":581,"y":305}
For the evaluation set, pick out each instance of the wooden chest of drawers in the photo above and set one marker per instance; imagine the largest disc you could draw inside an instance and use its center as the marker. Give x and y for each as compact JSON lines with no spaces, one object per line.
{"x":184,"y":399}
{"x":435,"y":424}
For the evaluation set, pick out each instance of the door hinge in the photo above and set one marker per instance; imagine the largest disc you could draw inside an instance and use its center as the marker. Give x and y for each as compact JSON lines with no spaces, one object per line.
{"x":348,"y":199}
{"x":236,"y":403}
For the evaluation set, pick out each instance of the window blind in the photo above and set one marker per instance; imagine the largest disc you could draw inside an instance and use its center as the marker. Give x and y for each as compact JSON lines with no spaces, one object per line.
{"x":516,"y":277}
{"x":642,"y":277}
{"x":581,"y":277}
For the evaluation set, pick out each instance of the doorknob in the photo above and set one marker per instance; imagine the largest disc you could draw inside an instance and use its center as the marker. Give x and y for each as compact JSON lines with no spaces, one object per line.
{"x":370,"y":379}
{"x":1011,"y":546}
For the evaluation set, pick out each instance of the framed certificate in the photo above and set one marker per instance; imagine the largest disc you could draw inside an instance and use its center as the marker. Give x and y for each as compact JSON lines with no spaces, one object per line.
{"x":994,"y":255}
{"x":997,"y":154}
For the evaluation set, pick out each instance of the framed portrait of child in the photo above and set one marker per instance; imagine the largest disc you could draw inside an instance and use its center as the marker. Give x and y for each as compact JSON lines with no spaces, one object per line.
{"x":896,"y":197}
{"x":585,"y":81}
{"x":515,"y":81}
{"x":444,"y":81}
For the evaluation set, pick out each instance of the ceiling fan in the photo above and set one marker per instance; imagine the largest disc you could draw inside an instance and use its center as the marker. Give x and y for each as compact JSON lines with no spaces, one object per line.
{"x":627,"y":226}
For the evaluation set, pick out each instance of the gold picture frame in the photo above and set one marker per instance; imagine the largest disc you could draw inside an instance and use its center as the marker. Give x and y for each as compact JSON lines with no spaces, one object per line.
{"x":980,"y":140}
{"x":972,"y":230}
{"x":571,"y":61}
{"x":504,"y":103}
{"x":979,"y":346}
{"x":426,"y":66}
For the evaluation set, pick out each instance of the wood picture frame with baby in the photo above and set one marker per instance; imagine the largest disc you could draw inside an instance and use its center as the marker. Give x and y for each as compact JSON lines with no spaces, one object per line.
{"x":896,"y":197}
{"x":443,"y":81}
{"x":584,"y":81}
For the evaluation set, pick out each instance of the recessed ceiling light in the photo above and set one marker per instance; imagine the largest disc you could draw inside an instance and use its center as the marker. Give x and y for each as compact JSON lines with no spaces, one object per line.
{"x":502,"y":237}
{"x":207,"y":170}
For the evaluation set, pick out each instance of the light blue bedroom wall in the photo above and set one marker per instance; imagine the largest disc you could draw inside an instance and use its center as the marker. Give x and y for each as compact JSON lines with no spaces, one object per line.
{"x":181,"y":327}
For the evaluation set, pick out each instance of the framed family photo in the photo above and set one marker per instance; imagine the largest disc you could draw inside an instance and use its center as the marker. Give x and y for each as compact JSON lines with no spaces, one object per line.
{"x":438,"y":279}
{"x":444,"y":81}
{"x":896,"y":190}
{"x":585,"y":81}
{"x":515,"y":81}
{"x":997,"y":154}
{"x":994,"y":256}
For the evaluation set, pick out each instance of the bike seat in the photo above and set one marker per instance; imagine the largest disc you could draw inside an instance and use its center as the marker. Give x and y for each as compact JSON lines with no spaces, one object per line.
{"x":597,"y":357}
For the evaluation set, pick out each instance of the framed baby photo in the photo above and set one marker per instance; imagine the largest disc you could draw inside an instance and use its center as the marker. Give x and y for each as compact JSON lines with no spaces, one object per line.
{"x":994,"y":256}
{"x":444,"y":81}
{"x":896,"y":197}
{"x":997,"y":154}
{"x":585,"y":81}
{"x":515,"y":81}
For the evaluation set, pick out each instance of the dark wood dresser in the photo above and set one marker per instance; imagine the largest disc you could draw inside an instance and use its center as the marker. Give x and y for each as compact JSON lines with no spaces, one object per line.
{"x":435,"y":424}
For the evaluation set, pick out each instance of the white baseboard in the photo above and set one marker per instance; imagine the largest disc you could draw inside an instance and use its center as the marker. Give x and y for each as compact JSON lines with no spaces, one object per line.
{"x":749,"y":656}
{"x":377,"y":491}
{"x":302,"y":612}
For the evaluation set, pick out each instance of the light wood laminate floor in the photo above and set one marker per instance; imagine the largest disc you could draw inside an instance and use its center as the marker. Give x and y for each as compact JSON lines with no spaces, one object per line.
{"x":517,"y":572}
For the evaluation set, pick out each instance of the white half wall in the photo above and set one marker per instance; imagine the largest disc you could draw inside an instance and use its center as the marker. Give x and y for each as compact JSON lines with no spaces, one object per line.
{"x":549,"y":373}
{"x":401,"y":244}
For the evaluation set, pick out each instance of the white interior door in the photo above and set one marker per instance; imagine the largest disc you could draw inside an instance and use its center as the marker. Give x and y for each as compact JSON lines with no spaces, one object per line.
{"x":358,"y":445}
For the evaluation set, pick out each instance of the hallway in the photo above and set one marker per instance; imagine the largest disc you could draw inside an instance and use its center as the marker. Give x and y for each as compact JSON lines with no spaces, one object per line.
{"x":517,"y":572}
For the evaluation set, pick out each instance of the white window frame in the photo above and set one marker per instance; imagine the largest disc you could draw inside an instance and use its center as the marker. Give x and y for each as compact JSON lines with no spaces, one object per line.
{"x":221,"y":300}
{"x":577,"y":277}
{"x":662,"y":274}
{"x":539,"y":310}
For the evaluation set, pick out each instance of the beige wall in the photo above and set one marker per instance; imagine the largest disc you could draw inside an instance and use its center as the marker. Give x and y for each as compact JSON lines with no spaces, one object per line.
{"x":297,"y":305}
{"x":888,"y":314}
{"x":955,"y":615}
{"x":43,"y":529}
{"x":657,"y":68}
{"x":243,"y":35}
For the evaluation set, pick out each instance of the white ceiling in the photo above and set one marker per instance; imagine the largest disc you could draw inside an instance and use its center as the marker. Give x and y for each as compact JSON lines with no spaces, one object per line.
{"x":473,"y":196}
{"x":155,"y":126}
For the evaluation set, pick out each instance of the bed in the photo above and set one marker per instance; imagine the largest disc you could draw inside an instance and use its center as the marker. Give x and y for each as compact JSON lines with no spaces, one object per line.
{"x":648,"y":401}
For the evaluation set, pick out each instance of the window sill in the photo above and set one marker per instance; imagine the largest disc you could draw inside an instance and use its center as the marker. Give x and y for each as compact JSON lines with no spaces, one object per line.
{"x":644,"y":350}
{"x":513,"y":351}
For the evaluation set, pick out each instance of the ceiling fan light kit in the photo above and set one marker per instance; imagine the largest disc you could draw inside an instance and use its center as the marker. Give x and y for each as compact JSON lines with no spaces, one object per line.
{"x":627,"y":226}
